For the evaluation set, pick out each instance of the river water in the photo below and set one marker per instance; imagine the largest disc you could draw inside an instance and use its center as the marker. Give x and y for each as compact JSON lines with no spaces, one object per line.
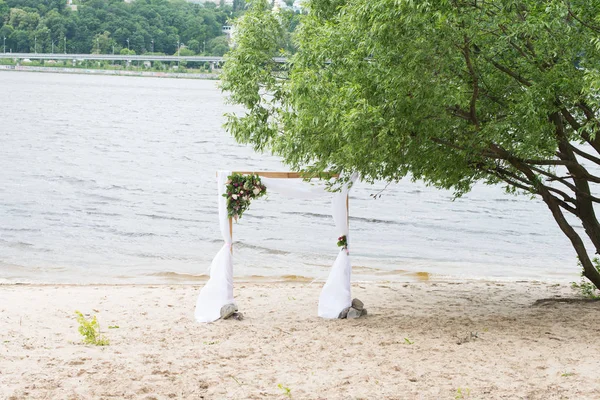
{"x":112,"y":179}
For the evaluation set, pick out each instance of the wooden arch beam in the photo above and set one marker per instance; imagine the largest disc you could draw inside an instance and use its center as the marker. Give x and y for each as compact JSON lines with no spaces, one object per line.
{"x":287,"y":175}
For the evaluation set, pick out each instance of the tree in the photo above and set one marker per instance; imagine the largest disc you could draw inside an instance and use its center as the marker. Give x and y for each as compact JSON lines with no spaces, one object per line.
{"x":185,"y":52}
{"x":23,"y":20}
{"x":127,"y":52}
{"x":238,"y":5}
{"x":103,"y":43}
{"x":3,"y":10}
{"x":20,"y":40}
{"x":451,"y":92}
{"x":6,"y":32}
{"x":194,"y":45}
{"x":218,"y":46}
{"x":43,"y":38}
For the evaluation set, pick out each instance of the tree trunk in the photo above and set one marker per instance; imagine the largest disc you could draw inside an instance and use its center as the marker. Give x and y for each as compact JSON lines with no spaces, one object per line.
{"x":589,"y":270}
{"x":584,"y":206}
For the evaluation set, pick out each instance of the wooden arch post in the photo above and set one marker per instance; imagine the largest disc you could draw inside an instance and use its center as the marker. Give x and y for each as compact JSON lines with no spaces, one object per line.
{"x":283,"y":175}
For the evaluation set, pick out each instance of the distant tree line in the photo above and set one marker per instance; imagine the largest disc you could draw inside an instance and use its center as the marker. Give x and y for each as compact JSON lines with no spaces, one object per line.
{"x":107,"y":26}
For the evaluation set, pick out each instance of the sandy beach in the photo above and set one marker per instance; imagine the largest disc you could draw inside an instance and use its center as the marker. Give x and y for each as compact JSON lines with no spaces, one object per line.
{"x":421,"y":340}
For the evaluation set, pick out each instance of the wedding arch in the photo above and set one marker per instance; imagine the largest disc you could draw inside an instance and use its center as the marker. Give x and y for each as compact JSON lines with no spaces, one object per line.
{"x":335,"y":295}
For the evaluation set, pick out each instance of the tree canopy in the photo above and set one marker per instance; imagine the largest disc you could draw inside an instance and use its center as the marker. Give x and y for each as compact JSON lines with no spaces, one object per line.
{"x":448,"y":91}
{"x":98,"y":25}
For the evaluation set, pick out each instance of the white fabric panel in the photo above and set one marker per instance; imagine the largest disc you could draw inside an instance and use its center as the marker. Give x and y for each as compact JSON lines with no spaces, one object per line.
{"x":218,"y":291}
{"x":222,"y":201}
{"x":296,"y":188}
{"x":336,"y":293}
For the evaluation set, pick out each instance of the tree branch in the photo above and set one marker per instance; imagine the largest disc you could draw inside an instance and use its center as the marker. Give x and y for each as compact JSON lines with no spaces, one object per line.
{"x":584,"y":154}
{"x":458,"y":112}
{"x":510,"y":72}
{"x":513,"y":45}
{"x":577,"y":127}
{"x":513,"y":183}
{"x":565,"y":196}
{"x":508,"y":177}
{"x":512,"y":175}
{"x":528,"y":170}
{"x":572,"y":14}
{"x":566,"y":206}
{"x":589,"y":113}
{"x":471,"y":68}
{"x":546,"y":162}
{"x":570,"y":119}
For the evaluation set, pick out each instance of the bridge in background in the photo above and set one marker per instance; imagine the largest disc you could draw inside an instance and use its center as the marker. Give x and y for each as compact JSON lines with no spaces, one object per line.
{"x":118,"y":57}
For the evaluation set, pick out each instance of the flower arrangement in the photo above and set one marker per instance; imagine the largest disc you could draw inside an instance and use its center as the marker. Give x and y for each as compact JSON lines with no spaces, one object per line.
{"x":343,"y":242}
{"x":241,"y":189}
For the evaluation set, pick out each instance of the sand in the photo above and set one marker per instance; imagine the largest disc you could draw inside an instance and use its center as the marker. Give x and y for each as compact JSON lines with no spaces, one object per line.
{"x":422,"y":340}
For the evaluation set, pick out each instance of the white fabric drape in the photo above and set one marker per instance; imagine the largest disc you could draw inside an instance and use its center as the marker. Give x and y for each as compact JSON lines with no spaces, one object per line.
{"x":296,"y":188}
{"x":335,"y":295}
{"x":218,"y":291}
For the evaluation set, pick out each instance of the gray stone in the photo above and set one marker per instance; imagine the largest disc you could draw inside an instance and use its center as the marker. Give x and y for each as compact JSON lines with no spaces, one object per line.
{"x":227,"y":310}
{"x":238,"y":316}
{"x":353,"y":313}
{"x":344,"y":313}
{"x":356,"y":303}
{"x":363,"y":312}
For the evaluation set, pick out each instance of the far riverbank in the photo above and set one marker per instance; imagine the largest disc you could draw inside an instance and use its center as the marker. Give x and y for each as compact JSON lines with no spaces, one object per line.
{"x":90,"y":71}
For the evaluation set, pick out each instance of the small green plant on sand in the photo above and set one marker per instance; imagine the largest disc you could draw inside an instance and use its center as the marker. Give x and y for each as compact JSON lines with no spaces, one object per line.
{"x":408,"y":341}
{"x":585,"y":287}
{"x":286,"y":390}
{"x":566,"y":374}
{"x":462,"y":393}
{"x":90,"y":330}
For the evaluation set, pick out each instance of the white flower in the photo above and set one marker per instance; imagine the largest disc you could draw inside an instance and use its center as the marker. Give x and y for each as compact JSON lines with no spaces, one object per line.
{"x":234,"y":196}
{"x":241,"y":192}
{"x":228,"y":181}
{"x":256,"y":190}
{"x":245,"y":198}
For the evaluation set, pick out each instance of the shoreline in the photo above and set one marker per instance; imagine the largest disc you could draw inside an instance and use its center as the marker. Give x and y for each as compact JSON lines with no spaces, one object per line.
{"x":200,"y":280}
{"x":305,"y":281}
{"x":360,"y":274}
{"x":109,"y":72}
{"x":426,"y":340}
